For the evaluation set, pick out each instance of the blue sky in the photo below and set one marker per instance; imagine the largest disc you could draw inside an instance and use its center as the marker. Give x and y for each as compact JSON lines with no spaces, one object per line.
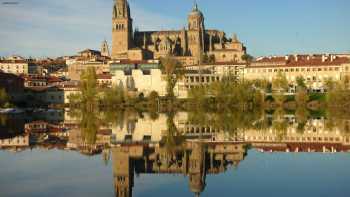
{"x":267,"y":27}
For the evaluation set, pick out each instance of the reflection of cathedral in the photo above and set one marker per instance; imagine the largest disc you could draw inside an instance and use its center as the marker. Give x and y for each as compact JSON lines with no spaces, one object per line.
{"x":187,"y":44}
{"x":193,"y":159}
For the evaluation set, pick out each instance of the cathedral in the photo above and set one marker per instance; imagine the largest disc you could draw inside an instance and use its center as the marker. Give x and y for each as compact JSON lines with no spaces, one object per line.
{"x":192,"y":45}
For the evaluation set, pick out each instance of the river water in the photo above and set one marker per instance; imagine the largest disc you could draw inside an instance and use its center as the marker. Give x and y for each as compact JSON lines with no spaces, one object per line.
{"x":57,"y":153}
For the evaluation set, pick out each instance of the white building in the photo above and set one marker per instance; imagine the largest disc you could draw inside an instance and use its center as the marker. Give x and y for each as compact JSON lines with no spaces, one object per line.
{"x":145,"y":81}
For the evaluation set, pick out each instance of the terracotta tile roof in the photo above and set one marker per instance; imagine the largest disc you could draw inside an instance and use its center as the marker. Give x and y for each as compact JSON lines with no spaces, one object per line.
{"x":14,"y":61}
{"x":302,"y":147}
{"x":104,"y":76}
{"x":54,"y":79}
{"x":298,"y":61}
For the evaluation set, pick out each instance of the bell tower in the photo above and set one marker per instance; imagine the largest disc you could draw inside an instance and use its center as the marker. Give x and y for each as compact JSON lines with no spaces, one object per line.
{"x":196,"y":31}
{"x":121,"y":29}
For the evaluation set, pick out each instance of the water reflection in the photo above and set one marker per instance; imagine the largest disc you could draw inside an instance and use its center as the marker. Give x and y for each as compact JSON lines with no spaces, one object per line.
{"x":192,"y":144}
{"x":194,"y":159}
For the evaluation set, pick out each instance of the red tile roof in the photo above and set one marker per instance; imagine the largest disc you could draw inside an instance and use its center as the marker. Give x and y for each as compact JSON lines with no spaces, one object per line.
{"x":104,"y":76}
{"x":299,"y":61}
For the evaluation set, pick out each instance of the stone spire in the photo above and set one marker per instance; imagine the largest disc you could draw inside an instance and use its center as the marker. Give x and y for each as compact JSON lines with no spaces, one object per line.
{"x":195,"y":6}
{"x":105,"y":49}
{"x":235,"y":38}
{"x":121,"y":9}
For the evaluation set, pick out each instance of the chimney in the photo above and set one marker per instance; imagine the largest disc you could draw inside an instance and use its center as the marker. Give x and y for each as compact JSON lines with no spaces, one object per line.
{"x":308,"y":58}
{"x":333,"y":57}
{"x":296,"y":57}
{"x":287,"y":57}
{"x":324,"y":58}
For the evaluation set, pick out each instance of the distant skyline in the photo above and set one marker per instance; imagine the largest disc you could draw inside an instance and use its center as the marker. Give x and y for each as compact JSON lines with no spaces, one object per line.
{"x":63,"y":27}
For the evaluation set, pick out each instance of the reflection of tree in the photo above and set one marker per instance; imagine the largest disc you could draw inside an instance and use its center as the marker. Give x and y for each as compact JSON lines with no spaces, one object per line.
{"x":106,"y":154}
{"x":89,"y":126}
{"x":3,"y":120}
{"x":232,"y":122}
{"x":173,"y":140}
{"x":302,"y":116}
{"x":91,"y":120}
{"x":279,"y":124}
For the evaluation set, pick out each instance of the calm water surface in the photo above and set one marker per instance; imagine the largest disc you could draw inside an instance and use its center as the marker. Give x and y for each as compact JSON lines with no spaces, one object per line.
{"x":133,"y":155}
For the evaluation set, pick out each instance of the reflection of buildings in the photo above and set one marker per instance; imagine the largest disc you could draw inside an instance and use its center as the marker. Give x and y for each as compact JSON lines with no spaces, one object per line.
{"x":143,"y":145}
{"x":78,"y":140}
{"x":194,"y":159}
{"x":315,"y":136}
{"x":286,"y":134}
{"x":146,"y":129}
{"x":16,"y":143}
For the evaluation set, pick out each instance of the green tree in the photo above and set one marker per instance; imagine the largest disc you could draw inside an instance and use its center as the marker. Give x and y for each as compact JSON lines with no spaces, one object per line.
{"x":212,"y":59}
{"x":280,"y":83}
{"x":338,"y":96}
{"x":329,"y":84}
{"x":174,"y":71}
{"x":114,"y":96}
{"x":198,"y":96}
{"x":88,"y":88}
{"x":247,"y":58}
{"x":205,"y":58}
{"x":300,"y":82}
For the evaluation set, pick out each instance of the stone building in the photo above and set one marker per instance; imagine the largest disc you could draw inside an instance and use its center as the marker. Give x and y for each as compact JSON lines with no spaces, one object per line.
{"x":84,"y":60}
{"x":188,"y":45}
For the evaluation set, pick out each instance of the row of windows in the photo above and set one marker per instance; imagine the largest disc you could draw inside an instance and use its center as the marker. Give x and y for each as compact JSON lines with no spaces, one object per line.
{"x":36,"y":84}
{"x":202,"y":79}
{"x":319,"y":69}
{"x":12,"y":71}
{"x":14,"y":140}
{"x":119,"y":26}
{"x":325,"y":139}
{"x":201,"y":130}
{"x":12,"y":66}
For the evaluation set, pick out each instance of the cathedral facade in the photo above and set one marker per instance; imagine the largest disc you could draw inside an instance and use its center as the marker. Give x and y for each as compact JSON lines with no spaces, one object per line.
{"x":192,"y":45}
